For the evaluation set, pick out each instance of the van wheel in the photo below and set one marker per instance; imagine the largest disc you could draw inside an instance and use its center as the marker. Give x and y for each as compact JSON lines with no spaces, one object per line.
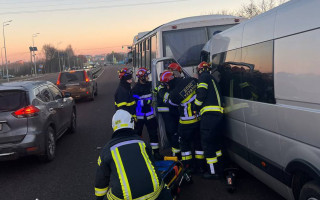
{"x":310,"y":191}
{"x":73,"y":124}
{"x":50,"y":146}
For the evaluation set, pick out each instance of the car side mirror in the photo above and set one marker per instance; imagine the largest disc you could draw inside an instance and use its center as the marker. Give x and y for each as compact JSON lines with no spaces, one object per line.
{"x":94,"y":76}
{"x":67,"y":94}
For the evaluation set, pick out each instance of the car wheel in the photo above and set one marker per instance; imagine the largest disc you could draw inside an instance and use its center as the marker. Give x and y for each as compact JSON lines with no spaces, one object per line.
{"x":50,"y":146}
{"x":310,"y":191}
{"x":73,"y":124}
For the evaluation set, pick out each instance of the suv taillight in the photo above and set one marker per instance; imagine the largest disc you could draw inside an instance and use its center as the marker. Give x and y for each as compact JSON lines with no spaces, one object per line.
{"x":86,"y":77}
{"x":28,"y":111}
{"x":58,"y":81}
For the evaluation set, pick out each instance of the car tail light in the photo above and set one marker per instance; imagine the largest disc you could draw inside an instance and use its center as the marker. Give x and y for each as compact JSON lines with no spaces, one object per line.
{"x":58,"y":81}
{"x":86,"y":76}
{"x":28,"y":111}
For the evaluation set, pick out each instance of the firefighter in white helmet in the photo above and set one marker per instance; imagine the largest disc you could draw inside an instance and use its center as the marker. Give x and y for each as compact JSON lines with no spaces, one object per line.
{"x":125,"y":162}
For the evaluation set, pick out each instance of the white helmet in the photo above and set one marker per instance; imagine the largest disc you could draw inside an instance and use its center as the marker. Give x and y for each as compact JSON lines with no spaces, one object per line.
{"x":122,"y":119}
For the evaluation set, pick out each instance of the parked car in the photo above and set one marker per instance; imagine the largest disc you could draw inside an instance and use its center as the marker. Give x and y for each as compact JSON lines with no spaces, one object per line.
{"x":80,"y":83}
{"x":269,"y":74}
{"x":33,"y":115}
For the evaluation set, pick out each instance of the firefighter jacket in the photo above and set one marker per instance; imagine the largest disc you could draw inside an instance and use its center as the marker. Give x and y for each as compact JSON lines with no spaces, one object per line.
{"x":142,"y":94}
{"x":126,"y":169}
{"x":208,"y":95}
{"x":161,"y":106}
{"x":124,"y":99}
{"x":183,"y":95}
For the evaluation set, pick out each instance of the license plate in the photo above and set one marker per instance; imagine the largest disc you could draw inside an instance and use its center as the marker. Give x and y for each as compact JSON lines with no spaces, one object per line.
{"x":0,"y":127}
{"x":72,"y":84}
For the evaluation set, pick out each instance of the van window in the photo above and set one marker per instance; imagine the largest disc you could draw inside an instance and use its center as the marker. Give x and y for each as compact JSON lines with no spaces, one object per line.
{"x":247,"y":73}
{"x":72,"y":76}
{"x":260,"y":79}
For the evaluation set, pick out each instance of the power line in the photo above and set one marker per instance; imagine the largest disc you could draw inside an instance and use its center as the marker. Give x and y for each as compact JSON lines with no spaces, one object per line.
{"x":60,"y":4}
{"x":88,"y":8}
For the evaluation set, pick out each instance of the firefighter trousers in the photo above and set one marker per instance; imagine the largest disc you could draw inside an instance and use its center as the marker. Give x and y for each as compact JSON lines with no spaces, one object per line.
{"x":171,"y":125}
{"x":152,"y":127}
{"x":189,"y":140}
{"x":211,"y":140}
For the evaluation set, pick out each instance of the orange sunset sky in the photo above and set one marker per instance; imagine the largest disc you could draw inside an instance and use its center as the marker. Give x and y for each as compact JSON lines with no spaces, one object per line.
{"x":92,"y":26}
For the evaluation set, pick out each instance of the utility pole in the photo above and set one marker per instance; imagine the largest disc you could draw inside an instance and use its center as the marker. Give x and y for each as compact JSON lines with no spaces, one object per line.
{"x":2,"y":67}
{"x":34,"y":54}
{"x":6,"y":23}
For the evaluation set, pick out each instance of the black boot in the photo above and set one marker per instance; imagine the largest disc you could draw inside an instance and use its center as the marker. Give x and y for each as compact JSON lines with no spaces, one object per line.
{"x":208,"y":175}
{"x":157,"y":155}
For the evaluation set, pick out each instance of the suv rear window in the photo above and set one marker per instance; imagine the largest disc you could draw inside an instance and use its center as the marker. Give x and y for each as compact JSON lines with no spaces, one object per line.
{"x":68,"y":77}
{"x":12,"y":100}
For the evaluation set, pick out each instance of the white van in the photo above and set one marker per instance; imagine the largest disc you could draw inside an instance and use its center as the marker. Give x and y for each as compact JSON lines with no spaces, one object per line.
{"x":269,"y":71}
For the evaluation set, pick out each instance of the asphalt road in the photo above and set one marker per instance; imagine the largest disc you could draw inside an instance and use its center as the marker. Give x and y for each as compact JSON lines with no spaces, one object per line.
{"x":71,"y":175}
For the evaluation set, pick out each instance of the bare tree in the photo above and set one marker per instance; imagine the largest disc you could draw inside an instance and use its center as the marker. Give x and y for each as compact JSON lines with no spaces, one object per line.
{"x":253,"y":8}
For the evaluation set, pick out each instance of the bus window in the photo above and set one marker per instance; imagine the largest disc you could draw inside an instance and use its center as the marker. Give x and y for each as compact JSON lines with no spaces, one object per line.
{"x":154,"y":47}
{"x":143,"y":55}
{"x":185,"y":45}
{"x":148,"y":54}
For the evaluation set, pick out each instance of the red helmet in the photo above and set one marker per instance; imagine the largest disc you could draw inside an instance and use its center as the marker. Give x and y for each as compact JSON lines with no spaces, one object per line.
{"x":125,"y":72}
{"x":203,"y":66}
{"x":175,"y":67}
{"x":166,"y":76}
{"x":142,"y":72}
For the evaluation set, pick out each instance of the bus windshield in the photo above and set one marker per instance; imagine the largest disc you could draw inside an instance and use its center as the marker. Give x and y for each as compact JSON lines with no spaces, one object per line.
{"x":185,"y":45}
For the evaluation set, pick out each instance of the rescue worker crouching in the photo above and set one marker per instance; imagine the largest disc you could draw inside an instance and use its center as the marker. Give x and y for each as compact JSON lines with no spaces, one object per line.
{"x":142,"y":93}
{"x":170,"y":114}
{"x":208,"y":103}
{"x":182,"y":94}
{"x":125,"y":166}
{"x":123,"y":97}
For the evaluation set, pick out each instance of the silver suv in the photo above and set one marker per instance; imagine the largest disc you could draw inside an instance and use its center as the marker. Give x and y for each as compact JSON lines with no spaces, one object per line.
{"x":33,"y":115}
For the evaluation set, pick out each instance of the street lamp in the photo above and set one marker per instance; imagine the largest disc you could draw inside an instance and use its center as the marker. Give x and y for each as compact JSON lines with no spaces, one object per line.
{"x":6,"y":23}
{"x":34,"y":54}
{"x":2,"y":68}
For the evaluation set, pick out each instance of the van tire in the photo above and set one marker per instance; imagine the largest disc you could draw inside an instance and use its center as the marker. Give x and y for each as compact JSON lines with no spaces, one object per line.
{"x":310,"y":191}
{"x":50,"y":146}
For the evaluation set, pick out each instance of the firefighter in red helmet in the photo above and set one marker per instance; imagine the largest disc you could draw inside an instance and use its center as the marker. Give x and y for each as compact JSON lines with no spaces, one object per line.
{"x":208,"y":104}
{"x":142,"y":93}
{"x":182,"y":94}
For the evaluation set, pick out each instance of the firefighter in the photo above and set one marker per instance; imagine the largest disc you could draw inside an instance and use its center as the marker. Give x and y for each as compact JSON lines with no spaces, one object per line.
{"x":208,"y":103}
{"x":182,"y":94}
{"x":176,"y":69}
{"x":123,"y":97}
{"x":171,"y":113}
{"x":142,"y":93}
{"x":125,"y":166}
